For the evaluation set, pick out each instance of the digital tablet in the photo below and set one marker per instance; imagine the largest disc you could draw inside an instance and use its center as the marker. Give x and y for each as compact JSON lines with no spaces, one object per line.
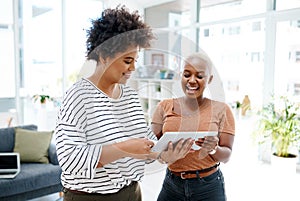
{"x":162,"y":143}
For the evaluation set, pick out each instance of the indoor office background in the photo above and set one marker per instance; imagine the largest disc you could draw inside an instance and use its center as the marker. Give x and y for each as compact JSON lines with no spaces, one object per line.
{"x":254,"y":45}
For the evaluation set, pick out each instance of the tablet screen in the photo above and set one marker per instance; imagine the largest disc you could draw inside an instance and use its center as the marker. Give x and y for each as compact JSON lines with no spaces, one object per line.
{"x":174,"y":137}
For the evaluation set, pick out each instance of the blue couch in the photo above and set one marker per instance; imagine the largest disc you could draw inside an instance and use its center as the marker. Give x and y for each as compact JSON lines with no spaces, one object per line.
{"x":35,"y":179}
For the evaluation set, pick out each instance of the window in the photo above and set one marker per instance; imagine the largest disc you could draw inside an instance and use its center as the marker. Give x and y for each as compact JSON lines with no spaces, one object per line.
{"x":234,"y":30}
{"x":287,"y":4}
{"x":7,"y":59}
{"x":236,"y":56}
{"x":296,"y":89}
{"x":256,"y":26}
{"x":287,"y":58}
{"x":44,"y":57}
{"x":255,"y":57}
{"x":206,"y":32}
{"x":213,"y":11}
{"x":297,"y":55}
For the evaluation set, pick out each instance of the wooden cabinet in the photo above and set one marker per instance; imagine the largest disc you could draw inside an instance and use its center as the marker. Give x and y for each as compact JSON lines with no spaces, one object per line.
{"x":152,"y":91}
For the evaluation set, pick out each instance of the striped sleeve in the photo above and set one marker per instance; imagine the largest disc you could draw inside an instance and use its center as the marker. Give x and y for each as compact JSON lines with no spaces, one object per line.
{"x":74,"y":154}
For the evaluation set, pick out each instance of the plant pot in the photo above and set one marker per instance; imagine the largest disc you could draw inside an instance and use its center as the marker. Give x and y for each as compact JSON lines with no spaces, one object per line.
{"x":284,"y":165}
{"x":162,"y":74}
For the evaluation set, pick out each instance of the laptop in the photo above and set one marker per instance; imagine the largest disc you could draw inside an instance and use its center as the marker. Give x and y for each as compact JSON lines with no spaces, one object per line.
{"x":9,"y":165}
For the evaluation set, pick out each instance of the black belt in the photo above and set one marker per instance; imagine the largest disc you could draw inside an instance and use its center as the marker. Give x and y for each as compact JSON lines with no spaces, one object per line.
{"x":77,"y":192}
{"x":194,"y":173}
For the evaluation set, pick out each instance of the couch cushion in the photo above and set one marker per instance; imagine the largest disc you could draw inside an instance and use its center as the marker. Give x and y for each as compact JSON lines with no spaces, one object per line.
{"x":7,"y":136}
{"x":32,"y":145}
{"x":33,"y":176}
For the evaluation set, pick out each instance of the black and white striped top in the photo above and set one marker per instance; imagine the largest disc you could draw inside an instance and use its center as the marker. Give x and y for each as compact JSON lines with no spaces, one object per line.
{"x":88,"y":119}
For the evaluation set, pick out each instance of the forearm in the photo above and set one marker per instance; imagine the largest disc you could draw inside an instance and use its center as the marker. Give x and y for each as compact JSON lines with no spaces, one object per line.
{"x":161,"y":157}
{"x":138,"y":148}
{"x":153,"y":155}
{"x":111,"y":153}
{"x":222,"y":154}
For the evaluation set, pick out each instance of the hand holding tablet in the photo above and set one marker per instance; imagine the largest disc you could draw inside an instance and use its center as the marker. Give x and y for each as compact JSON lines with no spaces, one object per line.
{"x":174,"y":137}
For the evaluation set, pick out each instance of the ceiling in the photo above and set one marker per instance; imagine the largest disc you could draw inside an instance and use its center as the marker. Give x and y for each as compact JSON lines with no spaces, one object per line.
{"x":170,"y":5}
{"x":181,"y":5}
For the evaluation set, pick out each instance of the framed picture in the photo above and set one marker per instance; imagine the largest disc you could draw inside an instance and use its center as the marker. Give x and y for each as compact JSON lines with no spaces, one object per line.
{"x":158,"y":60}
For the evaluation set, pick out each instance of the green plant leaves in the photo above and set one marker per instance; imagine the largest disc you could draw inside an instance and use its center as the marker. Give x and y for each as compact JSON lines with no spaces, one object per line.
{"x":280,"y":120}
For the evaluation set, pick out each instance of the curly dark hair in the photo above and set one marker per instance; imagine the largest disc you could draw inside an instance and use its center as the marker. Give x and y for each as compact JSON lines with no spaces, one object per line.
{"x":115,"y":31}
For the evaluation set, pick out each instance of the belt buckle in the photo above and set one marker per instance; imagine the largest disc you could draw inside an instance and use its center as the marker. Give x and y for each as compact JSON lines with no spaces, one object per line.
{"x":181,"y":175}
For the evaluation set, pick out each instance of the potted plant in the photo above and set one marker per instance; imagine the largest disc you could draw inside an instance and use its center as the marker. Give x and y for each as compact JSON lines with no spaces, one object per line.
{"x":237,"y":108}
{"x":163,"y":72}
{"x":42,"y":98}
{"x":279,"y":122}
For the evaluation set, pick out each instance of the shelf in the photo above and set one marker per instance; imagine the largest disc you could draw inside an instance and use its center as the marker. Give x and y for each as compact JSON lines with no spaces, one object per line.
{"x":152,"y":91}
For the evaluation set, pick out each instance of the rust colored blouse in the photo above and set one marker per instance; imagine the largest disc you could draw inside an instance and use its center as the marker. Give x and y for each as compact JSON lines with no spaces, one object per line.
{"x":212,"y":116}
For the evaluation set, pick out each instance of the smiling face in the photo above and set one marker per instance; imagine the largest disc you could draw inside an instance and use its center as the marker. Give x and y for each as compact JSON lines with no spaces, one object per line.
{"x":195,"y":77}
{"x":120,"y":67}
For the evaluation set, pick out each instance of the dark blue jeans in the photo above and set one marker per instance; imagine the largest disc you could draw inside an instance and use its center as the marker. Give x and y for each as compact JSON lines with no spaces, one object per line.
{"x":210,"y":188}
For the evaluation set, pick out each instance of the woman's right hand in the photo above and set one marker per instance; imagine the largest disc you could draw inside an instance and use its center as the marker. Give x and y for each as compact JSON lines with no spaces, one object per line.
{"x":182,"y":148}
{"x":136,"y":147}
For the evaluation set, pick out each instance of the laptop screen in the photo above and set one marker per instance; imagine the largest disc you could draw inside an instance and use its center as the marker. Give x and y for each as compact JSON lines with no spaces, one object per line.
{"x":9,"y":161}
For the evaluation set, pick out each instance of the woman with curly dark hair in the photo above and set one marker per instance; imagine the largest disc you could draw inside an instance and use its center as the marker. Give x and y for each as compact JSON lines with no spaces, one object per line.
{"x":102,"y":139}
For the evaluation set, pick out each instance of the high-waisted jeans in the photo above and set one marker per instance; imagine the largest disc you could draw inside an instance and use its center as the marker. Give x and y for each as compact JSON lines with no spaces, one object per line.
{"x":210,"y":188}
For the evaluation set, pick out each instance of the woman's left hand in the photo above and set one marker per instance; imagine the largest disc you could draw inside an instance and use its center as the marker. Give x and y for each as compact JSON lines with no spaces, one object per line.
{"x":182,"y":148}
{"x":208,"y":143}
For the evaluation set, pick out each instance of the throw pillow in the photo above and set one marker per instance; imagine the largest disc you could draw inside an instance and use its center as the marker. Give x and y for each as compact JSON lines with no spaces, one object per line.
{"x":7,"y":136}
{"x":32,"y":145}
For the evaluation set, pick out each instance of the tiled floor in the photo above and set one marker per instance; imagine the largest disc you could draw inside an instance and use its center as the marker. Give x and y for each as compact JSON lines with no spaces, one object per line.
{"x":246,"y":178}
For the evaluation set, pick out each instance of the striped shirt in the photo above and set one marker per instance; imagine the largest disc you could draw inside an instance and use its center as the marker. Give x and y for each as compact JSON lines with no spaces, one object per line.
{"x":89,"y":119}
